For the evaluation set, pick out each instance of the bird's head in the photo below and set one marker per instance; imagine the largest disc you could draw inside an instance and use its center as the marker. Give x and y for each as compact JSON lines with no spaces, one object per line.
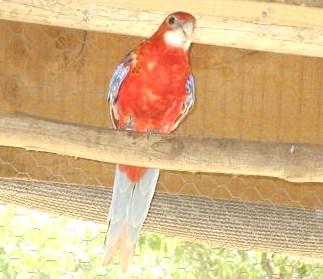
{"x":177,"y":30}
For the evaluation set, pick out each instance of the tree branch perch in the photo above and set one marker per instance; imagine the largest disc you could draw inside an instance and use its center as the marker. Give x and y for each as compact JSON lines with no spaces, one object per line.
{"x":292,"y":162}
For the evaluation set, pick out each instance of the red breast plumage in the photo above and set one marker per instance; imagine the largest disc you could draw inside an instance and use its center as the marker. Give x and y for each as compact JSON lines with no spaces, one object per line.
{"x":153,"y":93}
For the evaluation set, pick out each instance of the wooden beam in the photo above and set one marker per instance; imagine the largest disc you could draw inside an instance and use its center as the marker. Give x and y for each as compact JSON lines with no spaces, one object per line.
{"x":244,"y":24}
{"x":292,"y":162}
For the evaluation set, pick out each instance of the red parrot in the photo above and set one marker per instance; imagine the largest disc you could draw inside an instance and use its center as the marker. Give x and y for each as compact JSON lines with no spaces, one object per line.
{"x":152,"y":89}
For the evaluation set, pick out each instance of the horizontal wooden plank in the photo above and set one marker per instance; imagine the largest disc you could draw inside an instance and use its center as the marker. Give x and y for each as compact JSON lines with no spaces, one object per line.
{"x":244,"y":24}
{"x":292,"y":162}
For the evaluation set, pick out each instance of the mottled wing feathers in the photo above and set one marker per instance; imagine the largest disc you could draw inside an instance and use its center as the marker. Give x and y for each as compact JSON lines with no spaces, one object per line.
{"x":117,"y":78}
{"x":188,"y":102}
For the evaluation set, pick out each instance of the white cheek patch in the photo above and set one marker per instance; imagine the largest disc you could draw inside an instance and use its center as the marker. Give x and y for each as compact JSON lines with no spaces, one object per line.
{"x":176,"y":38}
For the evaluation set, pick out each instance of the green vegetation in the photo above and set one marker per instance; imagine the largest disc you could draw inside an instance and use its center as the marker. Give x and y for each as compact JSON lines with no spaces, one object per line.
{"x":38,"y":245}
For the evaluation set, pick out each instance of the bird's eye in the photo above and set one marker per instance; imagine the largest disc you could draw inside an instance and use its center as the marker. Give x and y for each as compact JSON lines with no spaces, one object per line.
{"x":171,"y":20}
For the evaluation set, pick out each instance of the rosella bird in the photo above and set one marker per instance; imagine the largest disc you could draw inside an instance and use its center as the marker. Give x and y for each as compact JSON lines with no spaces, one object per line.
{"x":152,"y":89}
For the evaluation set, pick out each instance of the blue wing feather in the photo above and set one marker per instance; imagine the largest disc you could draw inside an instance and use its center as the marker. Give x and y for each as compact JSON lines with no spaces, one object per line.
{"x":188,"y":102}
{"x":117,"y":78}
{"x":190,"y":96}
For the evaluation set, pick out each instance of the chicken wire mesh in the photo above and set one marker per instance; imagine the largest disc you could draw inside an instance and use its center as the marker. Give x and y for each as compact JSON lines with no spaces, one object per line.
{"x":62,"y":74}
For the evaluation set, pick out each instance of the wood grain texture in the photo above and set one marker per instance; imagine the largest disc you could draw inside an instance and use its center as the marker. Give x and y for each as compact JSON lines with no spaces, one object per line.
{"x":307,"y":3}
{"x":292,"y":162}
{"x":245,"y":24}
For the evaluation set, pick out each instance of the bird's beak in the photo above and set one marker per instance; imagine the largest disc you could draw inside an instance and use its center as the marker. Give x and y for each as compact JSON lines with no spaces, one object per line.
{"x":188,"y":29}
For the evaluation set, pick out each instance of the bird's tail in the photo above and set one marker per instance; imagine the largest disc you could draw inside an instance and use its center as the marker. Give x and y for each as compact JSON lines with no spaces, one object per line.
{"x":128,"y":210}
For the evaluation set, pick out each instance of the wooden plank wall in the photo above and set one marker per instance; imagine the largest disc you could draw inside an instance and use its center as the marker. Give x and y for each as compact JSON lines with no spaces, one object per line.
{"x":275,"y":27}
{"x":63,"y":74}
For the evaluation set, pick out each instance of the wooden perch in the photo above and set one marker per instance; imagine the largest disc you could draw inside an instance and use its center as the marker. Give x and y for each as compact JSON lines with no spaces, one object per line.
{"x":292,"y":162}
{"x":244,"y":24}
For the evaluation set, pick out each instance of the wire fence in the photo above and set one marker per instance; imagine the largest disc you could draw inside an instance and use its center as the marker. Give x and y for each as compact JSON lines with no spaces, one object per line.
{"x":62,"y":74}
{"x":40,"y":245}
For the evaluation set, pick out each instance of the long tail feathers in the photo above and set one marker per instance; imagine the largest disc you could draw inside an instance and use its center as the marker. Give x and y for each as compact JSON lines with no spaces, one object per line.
{"x":128,"y":210}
